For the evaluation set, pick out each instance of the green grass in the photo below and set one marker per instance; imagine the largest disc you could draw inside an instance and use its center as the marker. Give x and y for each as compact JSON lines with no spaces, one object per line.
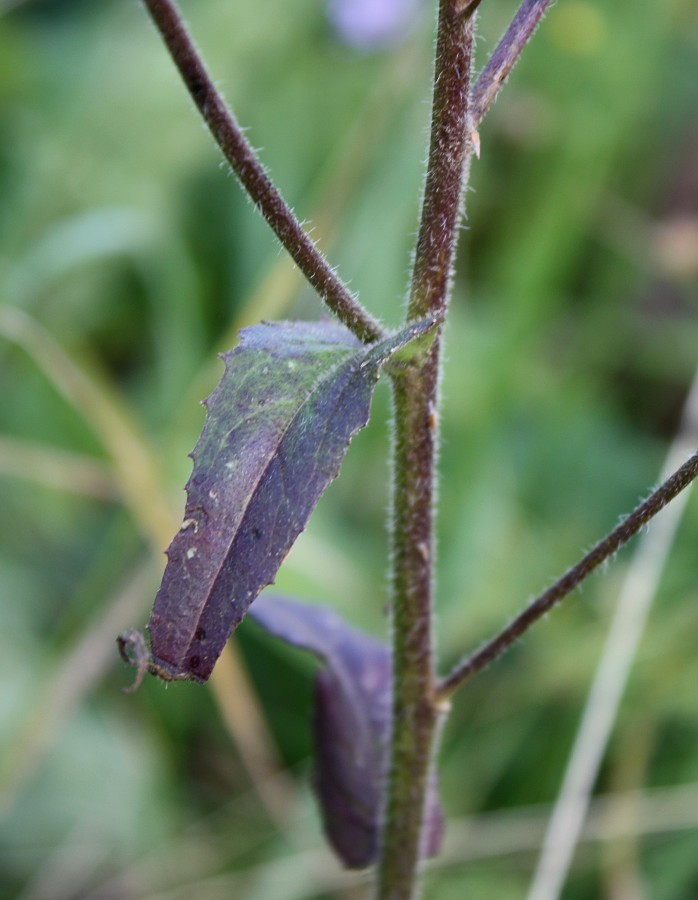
{"x":125,"y":245}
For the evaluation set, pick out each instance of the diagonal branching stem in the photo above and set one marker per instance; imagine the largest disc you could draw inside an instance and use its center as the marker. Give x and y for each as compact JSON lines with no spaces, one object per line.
{"x":627,"y":627}
{"x":505,"y":56}
{"x":416,"y":713}
{"x":250,"y":171}
{"x":604,"y":550}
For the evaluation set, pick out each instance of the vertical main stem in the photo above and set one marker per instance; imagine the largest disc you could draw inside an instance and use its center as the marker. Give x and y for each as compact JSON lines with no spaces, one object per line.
{"x":416,"y":712}
{"x":447,"y":166}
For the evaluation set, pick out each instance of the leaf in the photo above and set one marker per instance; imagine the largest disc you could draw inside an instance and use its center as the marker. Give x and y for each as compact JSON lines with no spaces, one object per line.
{"x":292,"y":397}
{"x":351,"y":726}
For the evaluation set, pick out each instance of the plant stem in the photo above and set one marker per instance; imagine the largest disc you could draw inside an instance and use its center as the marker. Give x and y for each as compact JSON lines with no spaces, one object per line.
{"x":446,"y":169}
{"x":605,"y":548}
{"x":250,"y":171}
{"x":505,"y":57}
{"x":639,"y":588}
{"x":416,"y":711}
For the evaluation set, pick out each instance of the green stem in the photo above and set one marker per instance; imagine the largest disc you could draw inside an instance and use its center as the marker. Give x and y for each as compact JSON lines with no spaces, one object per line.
{"x":416,"y":711}
{"x":250,"y":171}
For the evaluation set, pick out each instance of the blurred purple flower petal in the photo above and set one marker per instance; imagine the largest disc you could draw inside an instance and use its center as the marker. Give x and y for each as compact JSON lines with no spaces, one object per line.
{"x":351,"y":726}
{"x":370,"y":24}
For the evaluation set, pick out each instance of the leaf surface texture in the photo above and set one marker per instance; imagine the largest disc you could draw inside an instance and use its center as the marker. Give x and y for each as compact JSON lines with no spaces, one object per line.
{"x":278,"y":425}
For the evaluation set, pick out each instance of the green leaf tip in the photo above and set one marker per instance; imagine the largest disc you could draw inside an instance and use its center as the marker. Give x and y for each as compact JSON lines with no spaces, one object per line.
{"x":411,"y":345}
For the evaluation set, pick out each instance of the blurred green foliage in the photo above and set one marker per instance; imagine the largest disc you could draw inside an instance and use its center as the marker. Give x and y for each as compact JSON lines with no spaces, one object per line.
{"x":571,"y":348}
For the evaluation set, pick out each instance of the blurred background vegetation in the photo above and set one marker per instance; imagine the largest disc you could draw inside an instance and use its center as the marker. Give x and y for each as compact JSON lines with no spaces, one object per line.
{"x":129,"y":258}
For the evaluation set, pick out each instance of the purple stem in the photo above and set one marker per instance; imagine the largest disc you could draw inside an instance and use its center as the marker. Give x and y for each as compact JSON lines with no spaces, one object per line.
{"x":250,"y":171}
{"x":505,"y":57}
{"x":416,"y":712}
{"x":620,"y":535}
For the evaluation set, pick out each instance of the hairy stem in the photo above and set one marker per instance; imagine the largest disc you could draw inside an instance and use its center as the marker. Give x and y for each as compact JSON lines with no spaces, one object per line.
{"x":416,"y":712}
{"x":249,"y":170}
{"x":505,"y":57}
{"x":448,"y":158}
{"x":620,"y":535}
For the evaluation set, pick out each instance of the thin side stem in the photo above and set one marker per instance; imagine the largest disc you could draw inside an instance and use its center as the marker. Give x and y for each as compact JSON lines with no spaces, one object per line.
{"x":601,"y":709}
{"x":416,"y":712}
{"x":620,"y":535}
{"x":250,"y":171}
{"x":505,"y":56}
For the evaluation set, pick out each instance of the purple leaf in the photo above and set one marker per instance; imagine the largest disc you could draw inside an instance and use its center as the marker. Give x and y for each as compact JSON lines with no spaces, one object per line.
{"x":292,"y":397}
{"x":351,"y":726}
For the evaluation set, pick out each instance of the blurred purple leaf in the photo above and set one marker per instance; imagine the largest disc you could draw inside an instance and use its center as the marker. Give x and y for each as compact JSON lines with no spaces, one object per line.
{"x":370,"y":24}
{"x":351,"y":726}
{"x":292,"y":397}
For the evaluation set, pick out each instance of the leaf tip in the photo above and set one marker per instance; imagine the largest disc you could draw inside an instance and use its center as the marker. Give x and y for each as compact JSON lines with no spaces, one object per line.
{"x":134,"y":650}
{"x":411,"y":345}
